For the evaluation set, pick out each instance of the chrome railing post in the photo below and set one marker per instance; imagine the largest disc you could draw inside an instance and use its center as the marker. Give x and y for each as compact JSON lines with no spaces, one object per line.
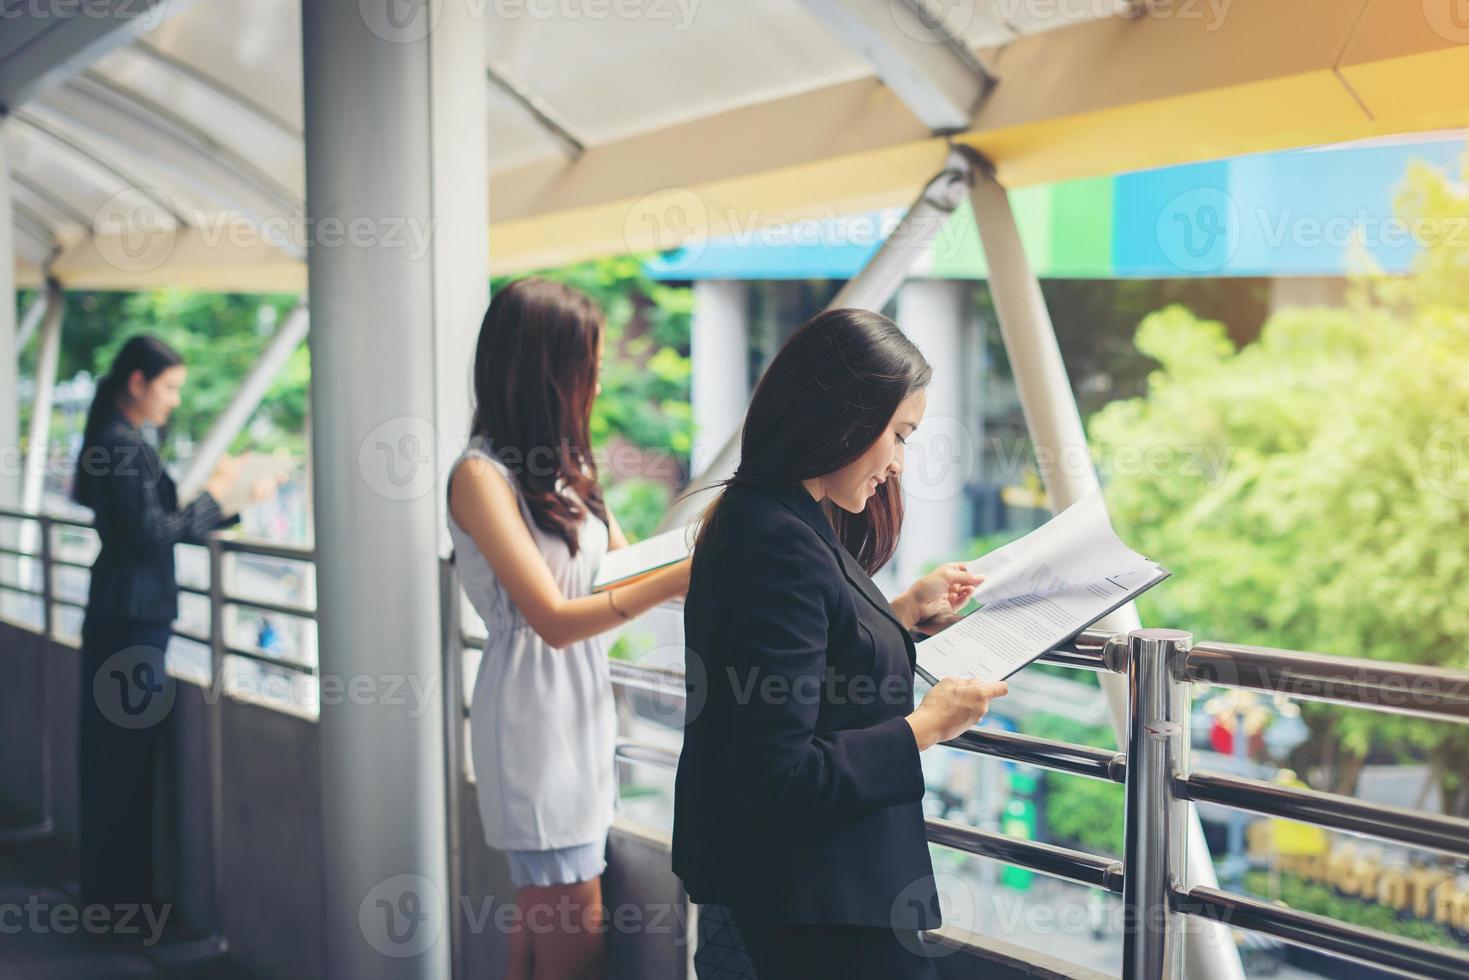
{"x":215,"y":708}
{"x":1155,"y":858}
{"x":48,"y":594}
{"x":48,"y":631}
{"x":216,"y":617}
{"x":453,"y":682}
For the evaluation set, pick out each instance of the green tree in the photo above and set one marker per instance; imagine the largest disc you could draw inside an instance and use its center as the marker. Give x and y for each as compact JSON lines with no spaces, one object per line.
{"x":219,"y":336}
{"x":1308,"y":490}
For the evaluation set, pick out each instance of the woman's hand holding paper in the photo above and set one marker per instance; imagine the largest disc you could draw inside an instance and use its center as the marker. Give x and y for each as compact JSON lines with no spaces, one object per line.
{"x":933,"y":602}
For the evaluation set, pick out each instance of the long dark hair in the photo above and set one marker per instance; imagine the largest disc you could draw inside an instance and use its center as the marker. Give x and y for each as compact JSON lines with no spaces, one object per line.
{"x":824,"y":400}
{"x":535,"y":375}
{"x":142,"y":352}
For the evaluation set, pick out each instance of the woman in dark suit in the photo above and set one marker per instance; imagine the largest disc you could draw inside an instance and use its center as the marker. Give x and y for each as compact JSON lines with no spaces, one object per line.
{"x":798,"y":821}
{"x":131,"y":604}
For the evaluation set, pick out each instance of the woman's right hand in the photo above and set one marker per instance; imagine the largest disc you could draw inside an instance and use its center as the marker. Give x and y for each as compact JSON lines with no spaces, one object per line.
{"x":951,"y":707}
{"x":222,"y":480}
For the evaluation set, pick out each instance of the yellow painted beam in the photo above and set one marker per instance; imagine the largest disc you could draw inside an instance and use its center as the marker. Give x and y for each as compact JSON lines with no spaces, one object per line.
{"x":1101,"y":98}
{"x":185,"y":260}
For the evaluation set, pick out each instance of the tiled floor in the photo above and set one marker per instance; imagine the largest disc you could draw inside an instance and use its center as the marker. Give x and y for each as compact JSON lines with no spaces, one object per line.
{"x":44,"y":936}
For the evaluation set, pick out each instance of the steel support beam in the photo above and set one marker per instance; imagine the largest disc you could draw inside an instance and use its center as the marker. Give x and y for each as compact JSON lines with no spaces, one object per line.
{"x":935,"y":76}
{"x":48,"y":357}
{"x":30,"y":322}
{"x":1067,"y":471}
{"x":11,"y":463}
{"x":232,"y":421}
{"x":44,"y":44}
{"x":127,"y":122}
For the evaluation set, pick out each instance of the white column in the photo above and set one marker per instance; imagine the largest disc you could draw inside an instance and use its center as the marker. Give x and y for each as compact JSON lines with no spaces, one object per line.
{"x":940,"y":457}
{"x":1060,"y":443}
{"x":38,"y":441}
{"x":11,"y":463}
{"x":395,"y":147}
{"x":719,"y":346}
{"x":31,"y":321}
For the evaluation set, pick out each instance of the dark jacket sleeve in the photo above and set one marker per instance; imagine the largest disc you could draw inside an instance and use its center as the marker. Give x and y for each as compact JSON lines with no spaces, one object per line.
{"x":780,"y":594}
{"x":223,"y":522}
{"x":138,"y":514}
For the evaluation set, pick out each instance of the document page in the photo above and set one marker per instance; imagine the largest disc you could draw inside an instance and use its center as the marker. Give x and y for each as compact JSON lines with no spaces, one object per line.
{"x":1039,"y":592}
{"x":255,"y":467}
{"x":647,"y":556}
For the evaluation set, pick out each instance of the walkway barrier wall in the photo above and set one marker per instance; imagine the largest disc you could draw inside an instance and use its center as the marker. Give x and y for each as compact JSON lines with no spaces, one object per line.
{"x":243,"y":825}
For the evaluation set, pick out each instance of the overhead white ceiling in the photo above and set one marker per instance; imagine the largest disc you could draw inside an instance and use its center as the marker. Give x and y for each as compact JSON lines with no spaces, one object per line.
{"x":785,"y":108}
{"x":205,"y":109}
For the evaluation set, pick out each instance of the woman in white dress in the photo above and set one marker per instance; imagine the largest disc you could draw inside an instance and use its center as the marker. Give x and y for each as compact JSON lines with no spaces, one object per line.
{"x":529,"y":527}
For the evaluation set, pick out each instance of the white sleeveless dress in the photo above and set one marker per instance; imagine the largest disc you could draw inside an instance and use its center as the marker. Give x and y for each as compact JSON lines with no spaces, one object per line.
{"x":542,"y":722}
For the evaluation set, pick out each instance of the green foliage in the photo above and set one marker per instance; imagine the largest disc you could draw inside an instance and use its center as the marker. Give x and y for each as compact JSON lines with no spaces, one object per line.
{"x":1086,"y":811}
{"x":219,"y":336}
{"x":1309,"y":896}
{"x":1094,"y":321}
{"x":1083,"y":811}
{"x":646,"y":383}
{"x":639,"y":505}
{"x":1303,"y":488}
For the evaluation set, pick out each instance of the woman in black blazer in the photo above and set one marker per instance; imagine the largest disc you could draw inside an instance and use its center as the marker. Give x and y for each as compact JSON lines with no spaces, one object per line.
{"x":131,"y":604}
{"x":798,"y":822}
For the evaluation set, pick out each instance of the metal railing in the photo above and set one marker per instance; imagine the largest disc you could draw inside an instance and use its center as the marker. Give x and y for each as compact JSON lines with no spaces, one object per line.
{"x":216,"y":546}
{"x":44,"y":560}
{"x":1152,"y":877}
{"x":1161,"y":664}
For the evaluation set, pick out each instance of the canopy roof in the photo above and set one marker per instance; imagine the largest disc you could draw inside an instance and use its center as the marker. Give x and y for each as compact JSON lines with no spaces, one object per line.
{"x":607,"y":116}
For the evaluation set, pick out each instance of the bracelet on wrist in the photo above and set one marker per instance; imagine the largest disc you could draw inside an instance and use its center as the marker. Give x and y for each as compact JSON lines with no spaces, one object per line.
{"x":615,"y":608}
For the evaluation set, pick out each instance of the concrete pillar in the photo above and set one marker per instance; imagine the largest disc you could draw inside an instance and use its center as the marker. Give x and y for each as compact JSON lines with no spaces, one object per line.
{"x":38,"y":439}
{"x":940,"y":458}
{"x":48,"y":356}
{"x":30,"y":322}
{"x":720,"y":350}
{"x":11,"y":462}
{"x":395,"y":158}
{"x":10,"y":458}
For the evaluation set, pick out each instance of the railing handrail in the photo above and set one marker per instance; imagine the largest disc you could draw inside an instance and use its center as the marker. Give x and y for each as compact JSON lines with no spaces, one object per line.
{"x":1155,"y":955}
{"x":242,"y":544}
{"x":1377,"y":684}
{"x":216,"y":543}
{"x":1159,"y":663}
{"x":22,"y":515}
{"x":1358,"y":943}
{"x":1401,"y":825}
{"x":1159,"y":784}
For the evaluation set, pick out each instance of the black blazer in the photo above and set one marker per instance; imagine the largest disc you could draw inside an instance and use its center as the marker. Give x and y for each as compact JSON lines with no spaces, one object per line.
{"x":138,"y":520}
{"x":799,"y":790}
